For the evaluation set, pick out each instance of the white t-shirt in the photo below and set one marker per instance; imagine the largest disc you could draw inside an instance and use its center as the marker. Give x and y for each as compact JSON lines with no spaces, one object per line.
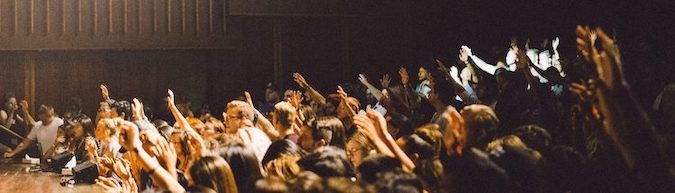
{"x":45,"y":134}
{"x":257,"y":139}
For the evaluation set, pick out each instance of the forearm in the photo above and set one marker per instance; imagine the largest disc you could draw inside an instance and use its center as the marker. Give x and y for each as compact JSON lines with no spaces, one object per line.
{"x":407,"y":163}
{"x":162,"y":177}
{"x":22,"y":146}
{"x":180,"y":119}
{"x":315,"y":96}
{"x":489,"y":68}
{"x":377,"y":93}
{"x":29,"y":119}
{"x":266,"y":126}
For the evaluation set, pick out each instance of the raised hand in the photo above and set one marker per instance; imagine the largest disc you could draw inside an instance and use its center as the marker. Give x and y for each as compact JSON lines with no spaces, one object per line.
{"x":137,"y":110}
{"x":297,"y":77}
{"x":105,"y":93}
{"x":404,"y":75}
{"x":129,"y":136}
{"x":341,"y":92}
{"x":521,"y":58}
{"x":607,"y":60}
{"x":166,"y":154}
{"x":365,"y":125}
{"x":555,"y":43}
{"x":453,"y":129}
{"x":463,"y":56}
{"x":583,"y":90}
{"x":90,"y":145}
{"x":196,"y":143}
{"x":296,"y":99}
{"x":385,"y":80}
{"x":363,"y":79}
{"x":379,"y":121}
{"x":24,"y":105}
{"x":122,"y":168}
{"x":170,"y":98}
{"x":249,"y":100}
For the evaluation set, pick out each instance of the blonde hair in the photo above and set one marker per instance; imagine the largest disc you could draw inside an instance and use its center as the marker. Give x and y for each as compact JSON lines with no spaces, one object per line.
{"x":430,"y":133}
{"x":285,"y":167}
{"x":285,"y":113}
{"x":243,"y":109}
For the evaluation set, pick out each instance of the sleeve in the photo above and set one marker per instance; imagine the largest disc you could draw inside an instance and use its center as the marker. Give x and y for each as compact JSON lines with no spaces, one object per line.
{"x":33,"y":131}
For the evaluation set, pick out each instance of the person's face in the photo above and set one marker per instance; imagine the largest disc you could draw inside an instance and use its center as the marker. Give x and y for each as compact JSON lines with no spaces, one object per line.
{"x":306,"y":140}
{"x":355,"y":152}
{"x":422,"y":74}
{"x":234,"y":120}
{"x":288,"y":94}
{"x":271,"y":95}
{"x":78,"y":131}
{"x":342,"y":111}
{"x":11,"y":104}
{"x":104,"y":110}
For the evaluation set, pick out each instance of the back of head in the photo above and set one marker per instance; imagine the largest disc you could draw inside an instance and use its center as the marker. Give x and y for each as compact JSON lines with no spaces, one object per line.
{"x":534,"y":137}
{"x":271,"y":185}
{"x":398,"y":181}
{"x":336,"y":185}
{"x":123,"y":109}
{"x":285,"y":167}
{"x":374,"y":164}
{"x":522,"y":166}
{"x":328,"y":161}
{"x":474,"y":172}
{"x":432,"y":135}
{"x":280,"y":147}
{"x":244,"y":164}
{"x":480,"y":125}
{"x":329,"y":129}
{"x":285,"y":114}
{"x":213,"y":172}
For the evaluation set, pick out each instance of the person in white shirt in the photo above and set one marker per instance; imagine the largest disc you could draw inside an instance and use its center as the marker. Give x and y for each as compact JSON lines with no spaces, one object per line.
{"x":239,"y":117}
{"x":43,"y":132}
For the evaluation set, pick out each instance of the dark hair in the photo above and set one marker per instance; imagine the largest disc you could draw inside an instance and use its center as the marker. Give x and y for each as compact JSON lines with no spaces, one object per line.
{"x":122,"y":107}
{"x":331,"y":130}
{"x":398,"y":181}
{"x":213,"y":172}
{"x":414,"y":144}
{"x":534,"y":137}
{"x":244,"y":164}
{"x":87,"y":124}
{"x":474,"y":172}
{"x":335,"y":185}
{"x":6,"y":98}
{"x":163,"y":128}
{"x":271,"y":185}
{"x":328,"y":161}
{"x":279,"y":147}
{"x":523,"y":168}
{"x":564,"y":169}
{"x":374,"y":164}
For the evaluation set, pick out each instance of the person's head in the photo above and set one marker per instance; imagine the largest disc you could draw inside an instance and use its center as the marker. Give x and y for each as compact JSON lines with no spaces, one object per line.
{"x":9,"y":102}
{"x":244,"y":164}
{"x":358,"y":147}
{"x":107,"y":128}
{"x":271,"y":94}
{"x":534,"y":137}
{"x":398,"y":181}
{"x":82,"y":126}
{"x":163,"y":128}
{"x":271,"y":185}
{"x":283,"y":116}
{"x":474,"y":172}
{"x":212,"y":172}
{"x":344,"y":108}
{"x":480,"y":126}
{"x":325,"y":131}
{"x":335,"y":185}
{"x":238,"y":114}
{"x":122,"y":109}
{"x":432,"y":135}
{"x":285,"y":167}
{"x":46,"y":113}
{"x":180,"y":142}
{"x":281,"y":147}
{"x":328,"y":161}
{"x":416,"y":148}
{"x":522,"y":167}
{"x":423,"y":74}
{"x":374,"y":164}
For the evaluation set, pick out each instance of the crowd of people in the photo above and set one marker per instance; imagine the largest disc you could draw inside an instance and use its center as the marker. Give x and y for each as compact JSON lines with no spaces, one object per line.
{"x":534,"y":122}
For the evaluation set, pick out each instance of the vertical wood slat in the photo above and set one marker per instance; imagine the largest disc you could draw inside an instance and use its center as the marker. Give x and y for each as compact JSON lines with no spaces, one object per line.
{"x":140,"y":15}
{"x":95,"y":17}
{"x":168,"y":16}
{"x":154,"y":16}
{"x":126,"y":15}
{"x":197,"y":16}
{"x":47,"y":16}
{"x":79,"y":16}
{"x":63,"y":17}
{"x":32,"y":16}
{"x":182,"y":12}
{"x":16,"y":17}
{"x":0,"y":15}
{"x":110,"y":17}
{"x":210,"y":16}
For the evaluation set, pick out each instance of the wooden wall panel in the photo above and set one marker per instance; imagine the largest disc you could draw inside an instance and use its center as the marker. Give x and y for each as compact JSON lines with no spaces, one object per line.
{"x":112,"y":24}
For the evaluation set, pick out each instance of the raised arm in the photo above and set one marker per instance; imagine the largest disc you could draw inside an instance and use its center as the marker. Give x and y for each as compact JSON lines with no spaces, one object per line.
{"x":480,"y":63}
{"x":314,"y":95}
{"x":381,"y":125}
{"x":261,"y":121}
{"x":377,"y":93}
{"x":129,"y":138}
{"x":625,"y":122}
{"x":30,"y":122}
{"x":180,"y":119}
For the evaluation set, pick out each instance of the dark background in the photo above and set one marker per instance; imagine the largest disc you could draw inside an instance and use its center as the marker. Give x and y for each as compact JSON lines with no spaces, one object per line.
{"x":330,"y":43}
